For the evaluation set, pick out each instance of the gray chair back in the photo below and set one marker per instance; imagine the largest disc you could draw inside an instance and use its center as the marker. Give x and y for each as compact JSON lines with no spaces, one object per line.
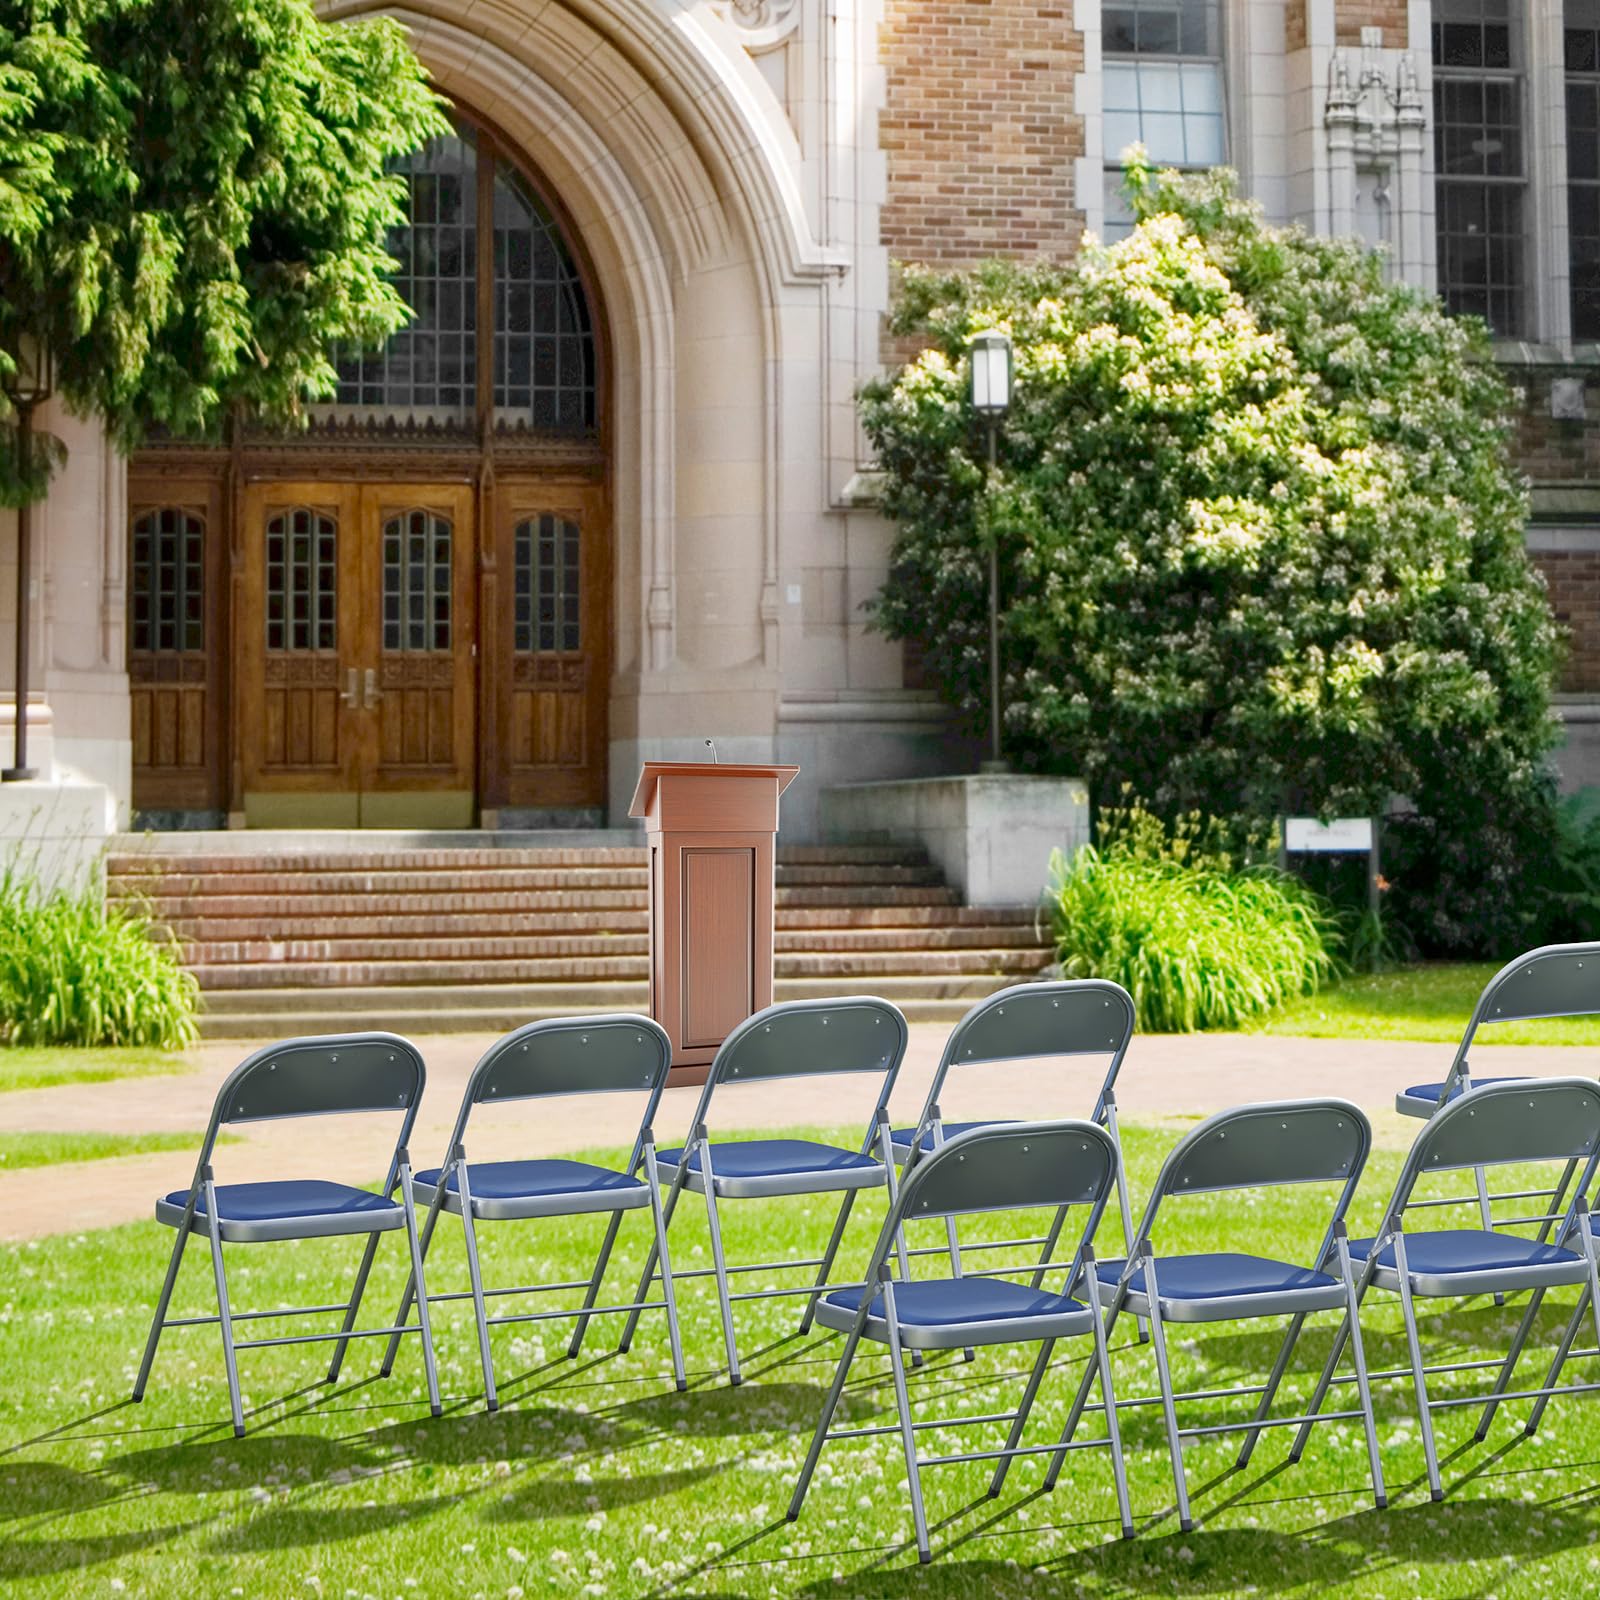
{"x":799,"y":1038}
{"x":1557,"y":980}
{"x":1072,"y":1016}
{"x":1014,"y":1167}
{"x":324,"y":1076}
{"x":1298,"y":1141}
{"x":1535,"y":1119}
{"x":574,"y":1055}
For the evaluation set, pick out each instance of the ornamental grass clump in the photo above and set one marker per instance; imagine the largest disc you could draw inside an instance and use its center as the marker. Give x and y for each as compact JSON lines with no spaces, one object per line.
{"x":77,"y":970}
{"x":1197,"y":943}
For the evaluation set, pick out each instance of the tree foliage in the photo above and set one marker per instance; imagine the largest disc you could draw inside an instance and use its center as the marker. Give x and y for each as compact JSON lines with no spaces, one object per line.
{"x":1261,"y":546}
{"x":194,"y":200}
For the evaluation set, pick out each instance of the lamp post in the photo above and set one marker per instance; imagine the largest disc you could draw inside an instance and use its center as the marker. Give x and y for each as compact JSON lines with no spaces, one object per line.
{"x":990,"y":360}
{"x":29,"y":385}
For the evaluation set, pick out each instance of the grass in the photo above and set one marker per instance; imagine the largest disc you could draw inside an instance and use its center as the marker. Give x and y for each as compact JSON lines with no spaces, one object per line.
{"x":1423,"y":1002}
{"x":19,"y":1150}
{"x":44,"y":1067}
{"x":599,"y":1479}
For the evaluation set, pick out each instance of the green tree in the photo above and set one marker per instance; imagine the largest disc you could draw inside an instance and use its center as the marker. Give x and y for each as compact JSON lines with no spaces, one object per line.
{"x":1261,"y":545}
{"x":194,"y":202}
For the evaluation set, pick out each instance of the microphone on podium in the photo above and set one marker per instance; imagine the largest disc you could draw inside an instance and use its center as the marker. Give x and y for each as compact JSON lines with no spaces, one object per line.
{"x":711,"y":745}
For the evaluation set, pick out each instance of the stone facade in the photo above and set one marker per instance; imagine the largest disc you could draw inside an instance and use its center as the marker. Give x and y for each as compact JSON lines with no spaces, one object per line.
{"x":740,"y":176}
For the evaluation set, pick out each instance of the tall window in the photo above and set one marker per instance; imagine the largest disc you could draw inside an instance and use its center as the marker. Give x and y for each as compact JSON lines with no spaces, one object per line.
{"x":1480,"y":160}
{"x":543,"y":337}
{"x":1163,"y":89}
{"x":1583,"y":163}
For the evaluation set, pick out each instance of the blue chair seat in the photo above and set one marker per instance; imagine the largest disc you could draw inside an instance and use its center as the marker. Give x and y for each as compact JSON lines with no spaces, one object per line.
{"x":751,"y":1168}
{"x":504,"y":1190}
{"x":900,"y":1139}
{"x":286,"y":1208}
{"x":1462,"y":1261}
{"x":1219,"y":1285}
{"x":1422,"y":1099}
{"x":949,"y":1313}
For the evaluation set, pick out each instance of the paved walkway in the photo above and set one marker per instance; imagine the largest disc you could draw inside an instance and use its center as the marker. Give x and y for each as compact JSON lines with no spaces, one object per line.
{"x":1163,"y":1076}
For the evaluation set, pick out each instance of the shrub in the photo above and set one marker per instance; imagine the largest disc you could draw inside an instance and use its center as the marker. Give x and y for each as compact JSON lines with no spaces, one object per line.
{"x":76,"y":970}
{"x":1197,"y":942}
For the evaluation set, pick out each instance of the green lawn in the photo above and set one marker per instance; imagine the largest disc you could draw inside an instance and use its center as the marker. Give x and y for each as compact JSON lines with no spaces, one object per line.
{"x":1424,"y":1002}
{"x":19,"y":1150}
{"x":599,"y":1479}
{"x":44,"y":1068}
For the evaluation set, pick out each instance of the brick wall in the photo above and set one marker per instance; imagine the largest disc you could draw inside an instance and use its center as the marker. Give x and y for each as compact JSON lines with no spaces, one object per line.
{"x":1546,"y":448}
{"x":1351,"y":16}
{"x":1574,"y":579}
{"x":1294,"y":25}
{"x":979,"y":130}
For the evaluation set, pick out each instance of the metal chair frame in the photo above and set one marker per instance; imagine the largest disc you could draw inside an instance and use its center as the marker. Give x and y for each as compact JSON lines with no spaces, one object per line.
{"x":1008,"y":1166}
{"x":1070,"y":1016}
{"x":784,"y":1041}
{"x":1555,"y":980}
{"x":330,"y":1075}
{"x":606,"y":1054}
{"x":1516,"y":1120}
{"x":1249,"y":1147}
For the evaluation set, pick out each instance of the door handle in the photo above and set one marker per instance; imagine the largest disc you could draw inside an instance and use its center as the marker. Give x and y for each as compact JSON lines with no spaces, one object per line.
{"x":351,"y":693}
{"x":373,"y":693}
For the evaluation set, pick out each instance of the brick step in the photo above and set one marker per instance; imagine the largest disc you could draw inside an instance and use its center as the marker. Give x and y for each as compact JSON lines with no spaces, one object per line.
{"x":410,"y":972}
{"x":492,"y":1008}
{"x":375,"y":941}
{"x":813,"y":928}
{"x":143,"y":863}
{"x":295,"y":908}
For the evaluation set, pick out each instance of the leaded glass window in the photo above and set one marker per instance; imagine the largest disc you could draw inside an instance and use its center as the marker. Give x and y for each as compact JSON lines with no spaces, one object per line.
{"x":416,"y":582}
{"x":1162,"y":88}
{"x":545,"y":552}
{"x":168,"y":581}
{"x":1479,"y":160}
{"x":1583,"y":163}
{"x":543,"y":345}
{"x":302,"y":581}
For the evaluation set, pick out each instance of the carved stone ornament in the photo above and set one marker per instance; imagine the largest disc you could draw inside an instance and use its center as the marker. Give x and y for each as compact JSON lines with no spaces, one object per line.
{"x":762,"y":24}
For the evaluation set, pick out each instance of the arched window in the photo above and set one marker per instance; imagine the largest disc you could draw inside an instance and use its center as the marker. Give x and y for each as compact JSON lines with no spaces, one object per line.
{"x":476,"y":231}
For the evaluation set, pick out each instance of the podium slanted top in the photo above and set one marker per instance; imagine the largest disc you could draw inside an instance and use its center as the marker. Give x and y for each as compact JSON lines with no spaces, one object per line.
{"x":710,"y":795}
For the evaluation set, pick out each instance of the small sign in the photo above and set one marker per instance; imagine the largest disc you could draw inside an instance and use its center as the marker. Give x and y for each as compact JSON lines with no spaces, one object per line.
{"x":1344,"y":835}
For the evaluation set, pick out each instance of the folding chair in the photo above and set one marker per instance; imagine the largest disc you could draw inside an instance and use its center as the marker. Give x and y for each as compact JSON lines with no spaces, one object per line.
{"x":799,"y":1038}
{"x":1531,"y":1120}
{"x":1291,"y":1141}
{"x":1556,"y":980}
{"x":1078,"y":1016}
{"x":564,"y":1055}
{"x":301,"y":1077}
{"x":1009,"y":1166}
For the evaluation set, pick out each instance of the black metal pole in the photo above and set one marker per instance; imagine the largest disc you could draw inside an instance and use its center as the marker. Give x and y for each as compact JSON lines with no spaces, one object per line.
{"x":996,"y":760}
{"x":19,"y":768}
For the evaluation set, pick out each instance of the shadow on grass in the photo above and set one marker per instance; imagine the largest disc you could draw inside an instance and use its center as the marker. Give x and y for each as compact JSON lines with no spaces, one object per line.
{"x":34,"y":1558}
{"x":283,"y":1527}
{"x":547,"y":1498}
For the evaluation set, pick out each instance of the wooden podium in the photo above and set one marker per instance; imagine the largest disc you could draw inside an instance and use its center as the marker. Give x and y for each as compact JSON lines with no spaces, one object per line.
{"x":711,"y":830}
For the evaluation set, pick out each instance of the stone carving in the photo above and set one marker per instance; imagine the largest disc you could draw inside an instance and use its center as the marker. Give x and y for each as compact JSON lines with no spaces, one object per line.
{"x":762,"y":24}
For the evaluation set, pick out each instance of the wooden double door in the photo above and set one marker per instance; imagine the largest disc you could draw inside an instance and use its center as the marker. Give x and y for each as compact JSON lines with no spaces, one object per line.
{"x":390,"y":654}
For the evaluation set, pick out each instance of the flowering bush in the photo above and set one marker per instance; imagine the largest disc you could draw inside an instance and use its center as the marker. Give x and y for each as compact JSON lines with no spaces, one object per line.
{"x":1261,"y":548}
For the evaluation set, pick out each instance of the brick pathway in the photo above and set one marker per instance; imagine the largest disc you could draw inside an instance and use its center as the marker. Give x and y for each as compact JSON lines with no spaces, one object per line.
{"x":1162,"y":1076}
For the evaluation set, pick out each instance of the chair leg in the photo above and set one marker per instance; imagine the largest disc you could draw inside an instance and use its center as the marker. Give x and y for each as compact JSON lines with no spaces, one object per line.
{"x":719,"y":1263}
{"x":1081,"y":1398}
{"x":1018,"y":1422}
{"x":1102,"y":1357}
{"x":908,"y":1434}
{"x":430,"y":1366}
{"x":1051,"y":1238}
{"x":1589,"y":1299}
{"x":392,"y":1349}
{"x":827,"y":1259}
{"x":1563,"y":1349}
{"x":474,"y":1273}
{"x":1408,"y":1311}
{"x":224,"y":1310}
{"x":1319,"y":1395}
{"x":1169,"y":1408}
{"x":1502,"y":1380}
{"x":356,"y":1293}
{"x":829,"y":1405}
{"x":1269,"y":1393}
{"x":1124,"y":1204}
{"x":165,"y":1300}
{"x":668,"y":1293}
{"x":642,"y":1293}
{"x":1483,"y":1213}
{"x":1358,"y":1354}
{"x":575,"y":1344}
